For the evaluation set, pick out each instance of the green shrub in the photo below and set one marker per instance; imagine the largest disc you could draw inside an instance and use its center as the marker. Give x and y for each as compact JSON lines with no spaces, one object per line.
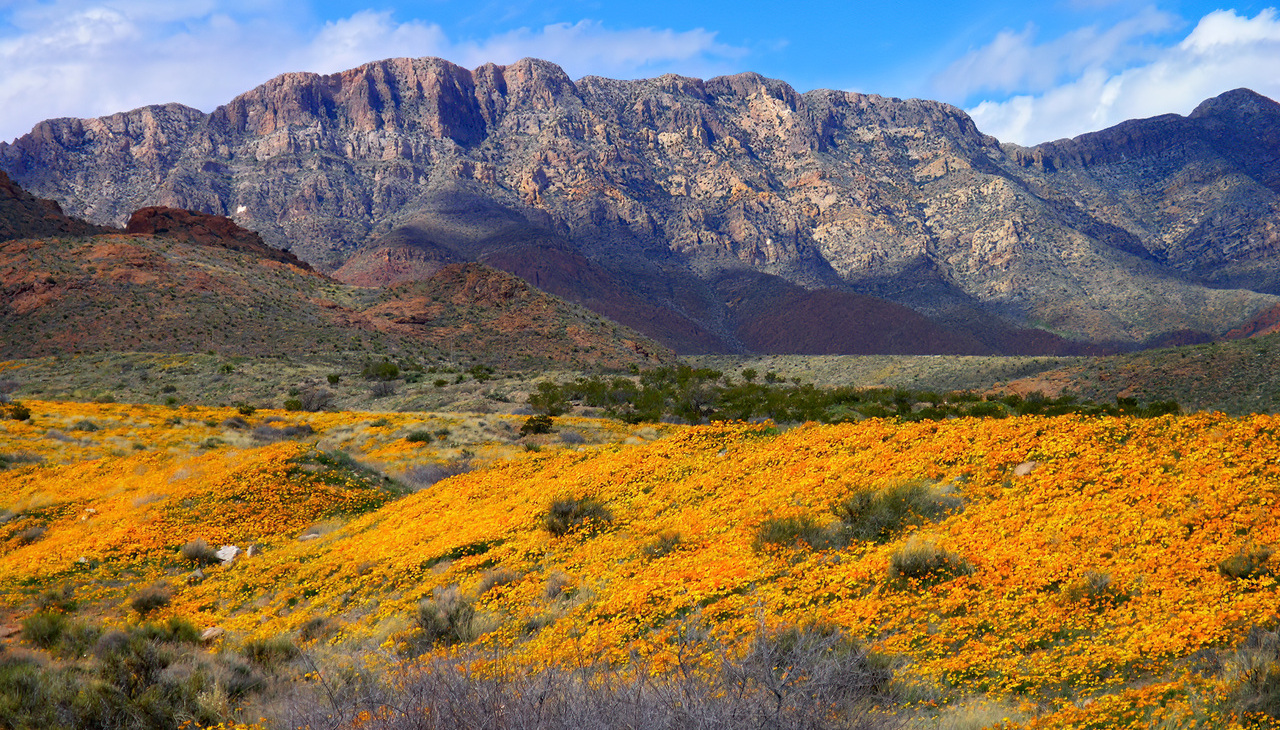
{"x":440,"y":382}
{"x":200,"y":553}
{"x":292,"y":404}
{"x":419,"y":437}
{"x":796,"y":531}
{"x":536,"y":424}
{"x":447,"y":617}
{"x":384,"y":370}
{"x":1249,"y":562}
{"x":334,"y":378}
{"x":245,"y":409}
{"x":549,"y":399}
{"x":19,"y":412}
{"x":152,"y":597}
{"x":880,"y":516}
{"x":270,"y":653}
{"x":44,"y":628}
{"x":570,"y":514}
{"x":921,"y":562}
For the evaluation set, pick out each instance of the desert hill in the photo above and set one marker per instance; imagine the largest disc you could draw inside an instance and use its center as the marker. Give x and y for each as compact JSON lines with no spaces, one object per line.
{"x":648,"y":194}
{"x":159,"y":293}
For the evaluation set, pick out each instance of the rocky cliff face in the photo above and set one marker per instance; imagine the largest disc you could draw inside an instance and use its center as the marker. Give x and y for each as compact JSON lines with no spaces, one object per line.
{"x":649,"y":200}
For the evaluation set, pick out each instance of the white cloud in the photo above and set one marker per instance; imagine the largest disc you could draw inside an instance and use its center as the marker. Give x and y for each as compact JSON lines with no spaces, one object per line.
{"x":84,"y":58}
{"x":1014,"y":62}
{"x":580,"y":48}
{"x":1224,"y":51}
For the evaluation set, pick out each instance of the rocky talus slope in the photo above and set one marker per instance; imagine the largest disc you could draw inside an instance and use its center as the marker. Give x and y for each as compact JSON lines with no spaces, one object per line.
{"x":650,"y":200}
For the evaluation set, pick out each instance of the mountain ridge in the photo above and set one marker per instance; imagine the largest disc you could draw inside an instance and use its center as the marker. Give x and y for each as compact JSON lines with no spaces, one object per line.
{"x":672,"y":184}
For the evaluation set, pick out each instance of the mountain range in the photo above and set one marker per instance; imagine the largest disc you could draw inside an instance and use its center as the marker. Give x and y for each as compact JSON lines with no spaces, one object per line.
{"x":728,"y":215}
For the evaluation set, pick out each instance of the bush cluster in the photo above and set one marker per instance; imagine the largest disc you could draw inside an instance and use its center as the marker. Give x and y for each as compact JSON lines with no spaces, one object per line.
{"x":151,"y":675}
{"x":793,"y":678}
{"x":571,"y":514}
{"x":698,"y":395}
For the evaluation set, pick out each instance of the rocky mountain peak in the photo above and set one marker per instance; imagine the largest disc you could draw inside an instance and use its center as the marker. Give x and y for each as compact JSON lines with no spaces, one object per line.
{"x":1236,"y":104}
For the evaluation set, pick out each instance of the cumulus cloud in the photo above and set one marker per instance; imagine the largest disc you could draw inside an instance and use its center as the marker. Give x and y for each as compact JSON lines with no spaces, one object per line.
{"x":580,"y":48}
{"x":1223,"y":51}
{"x":1014,"y":61}
{"x":84,"y":58}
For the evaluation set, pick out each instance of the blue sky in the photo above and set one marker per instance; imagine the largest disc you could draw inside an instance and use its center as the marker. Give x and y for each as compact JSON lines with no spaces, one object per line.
{"x":1027,"y":71}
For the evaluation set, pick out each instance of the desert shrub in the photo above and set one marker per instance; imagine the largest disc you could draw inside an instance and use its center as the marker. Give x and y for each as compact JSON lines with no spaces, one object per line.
{"x":31,"y":534}
{"x":44,"y":628}
{"x":572,"y":438}
{"x":419,"y":437}
{"x":245,"y":409}
{"x":879,"y":516}
{"x":558,"y":584}
{"x":791,"y":679}
{"x":317,"y":627}
{"x":536,"y":424}
{"x":333,"y":378}
{"x":421,"y":476}
{"x":439,"y":382}
{"x":664,"y":543}
{"x":496,"y":578}
{"x":234,"y":422}
{"x":271,"y":652}
{"x":19,"y":457}
{"x":19,"y":412}
{"x":570,"y":514}
{"x":795,"y":531}
{"x":57,"y":599}
{"x":384,"y":370}
{"x":152,"y":597}
{"x":84,"y":425}
{"x":1096,"y":589}
{"x":292,"y":404}
{"x":1249,"y":562}
{"x":922,"y":562}
{"x":382,"y":389}
{"x":548,"y":399}
{"x":271,"y":434}
{"x":176,"y":630}
{"x":1254,"y":670}
{"x":315,"y":399}
{"x":199,"y":552}
{"x":447,"y":617}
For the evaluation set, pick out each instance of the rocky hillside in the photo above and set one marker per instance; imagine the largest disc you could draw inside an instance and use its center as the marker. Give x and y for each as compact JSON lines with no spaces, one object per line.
{"x":23,"y":215}
{"x":188,"y":289}
{"x":648,"y":200}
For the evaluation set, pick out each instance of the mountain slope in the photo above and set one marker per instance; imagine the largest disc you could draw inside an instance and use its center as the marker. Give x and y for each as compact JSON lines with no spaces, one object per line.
{"x":123,"y":292}
{"x":665,"y":186}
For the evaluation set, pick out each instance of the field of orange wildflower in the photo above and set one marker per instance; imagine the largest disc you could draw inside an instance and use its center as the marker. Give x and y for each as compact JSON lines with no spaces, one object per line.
{"x":1111,"y":567}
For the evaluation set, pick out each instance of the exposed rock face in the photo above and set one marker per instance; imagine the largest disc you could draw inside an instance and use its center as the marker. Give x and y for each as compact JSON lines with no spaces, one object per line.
{"x":23,"y":215}
{"x":646,"y":199}
{"x":206,"y":230}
